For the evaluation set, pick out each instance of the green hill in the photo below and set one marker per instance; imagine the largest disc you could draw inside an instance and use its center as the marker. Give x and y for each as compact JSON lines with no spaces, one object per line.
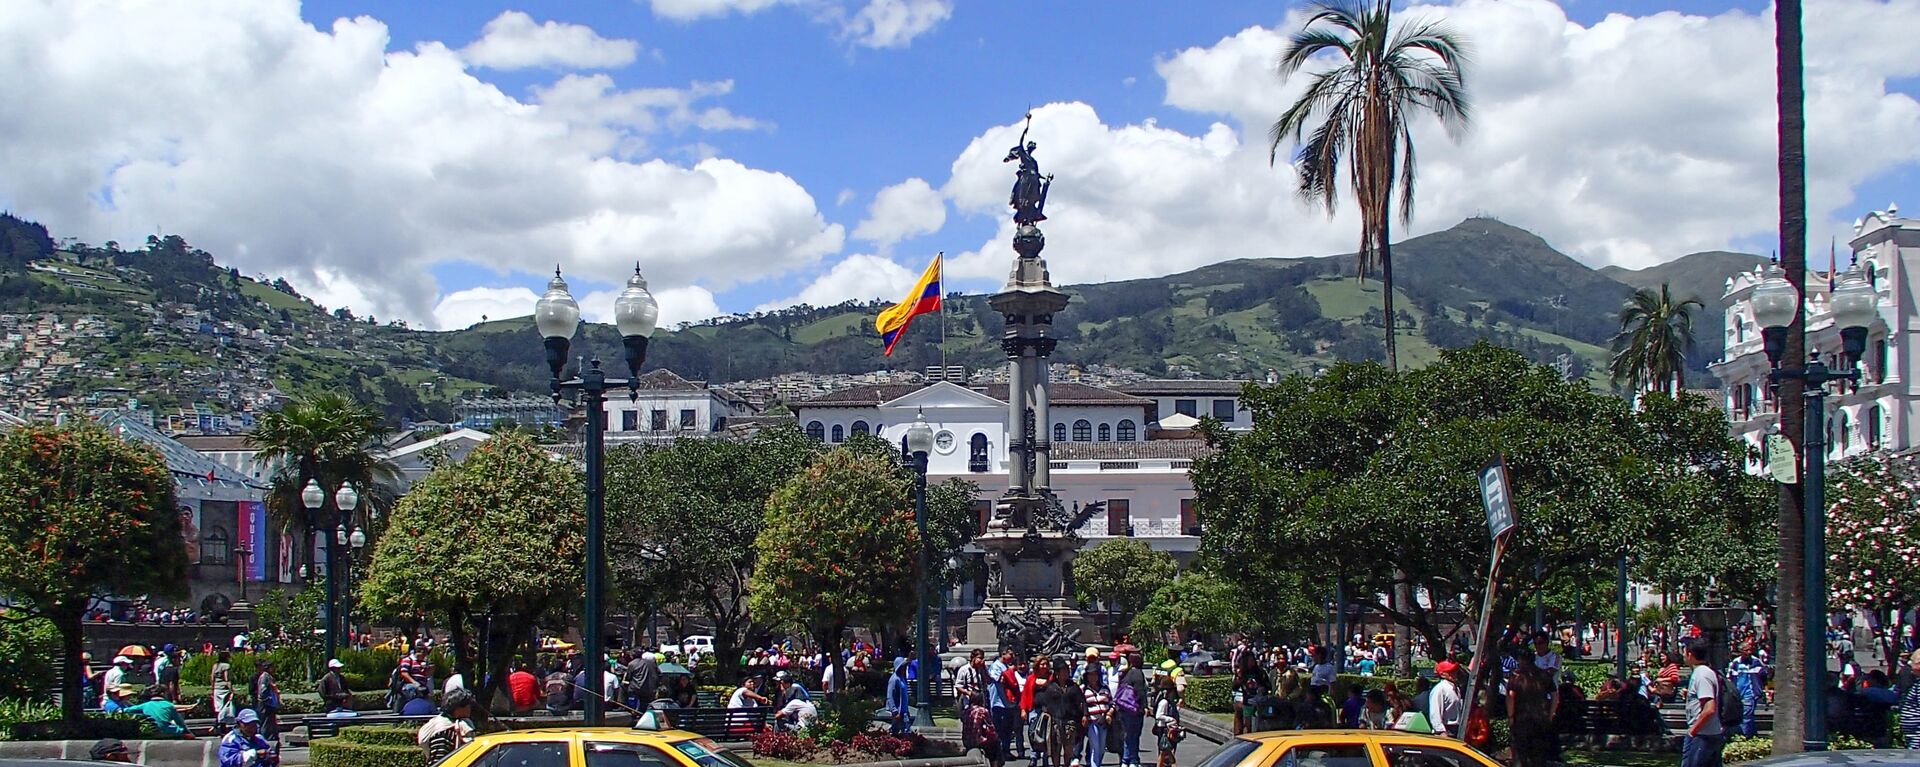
{"x":186,"y":330}
{"x":1696,"y":275}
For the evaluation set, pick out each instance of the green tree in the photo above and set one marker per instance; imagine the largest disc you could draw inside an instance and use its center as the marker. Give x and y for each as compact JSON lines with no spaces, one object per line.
{"x":1357,"y":117}
{"x":680,"y":519}
{"x":77,"y":504}
{"x":1123,"y":573}
{"x":1656,"y":332}
{"x":838,"y":548}
{"x":1373,"y":475}
{"x":1197,"y":602}
{"x":494,"y":540}
{"x":289,"y":618}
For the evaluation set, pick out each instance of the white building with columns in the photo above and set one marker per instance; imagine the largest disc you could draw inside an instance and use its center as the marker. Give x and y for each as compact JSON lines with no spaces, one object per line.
{"x":1101,"y":452}
{"x":1882,"y":412}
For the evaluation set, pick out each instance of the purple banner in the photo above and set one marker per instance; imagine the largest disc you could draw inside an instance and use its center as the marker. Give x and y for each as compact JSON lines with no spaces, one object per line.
{"x":253,"y":530}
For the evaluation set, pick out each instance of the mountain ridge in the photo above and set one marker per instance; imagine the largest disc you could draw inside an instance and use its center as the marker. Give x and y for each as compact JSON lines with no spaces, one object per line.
{"x":172,"y":308}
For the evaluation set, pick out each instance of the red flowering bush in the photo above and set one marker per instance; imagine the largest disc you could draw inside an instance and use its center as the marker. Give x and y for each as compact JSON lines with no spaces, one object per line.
{"x":784,"y":745}
{"x":885,"y":746}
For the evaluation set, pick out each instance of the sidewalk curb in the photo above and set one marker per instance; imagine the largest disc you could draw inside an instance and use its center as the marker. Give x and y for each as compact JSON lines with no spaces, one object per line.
{"x":1204,"y":726}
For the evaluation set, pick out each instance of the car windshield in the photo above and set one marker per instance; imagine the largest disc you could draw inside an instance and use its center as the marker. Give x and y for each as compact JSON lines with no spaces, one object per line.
{"x":1230,"y":754}
{"x":706,"y":753}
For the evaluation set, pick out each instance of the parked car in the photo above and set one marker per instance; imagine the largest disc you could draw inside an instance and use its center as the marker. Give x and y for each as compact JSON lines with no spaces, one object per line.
{"x":697,"y":646}
{"x":1204,"y":663}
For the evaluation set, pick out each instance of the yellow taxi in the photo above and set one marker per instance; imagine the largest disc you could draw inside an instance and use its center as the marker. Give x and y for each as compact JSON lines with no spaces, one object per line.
{"x":1345,"y":748}
{"x":592,"y":747}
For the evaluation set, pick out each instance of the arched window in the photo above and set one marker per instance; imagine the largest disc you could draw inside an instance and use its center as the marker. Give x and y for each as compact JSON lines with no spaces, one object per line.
{"x":816,"y":431}
{"x":1873,"y":428}
{"x":839,"y":433}
{"x":1059,"y":432}
{"x":1125,"y":432}
{"x":1106,"y":433}
{"x":860,"y":427}
{"x":1082,"y":431}
{"x":1846,"y":434}
{"x":977,"y":453}
{"x":216,"y":548}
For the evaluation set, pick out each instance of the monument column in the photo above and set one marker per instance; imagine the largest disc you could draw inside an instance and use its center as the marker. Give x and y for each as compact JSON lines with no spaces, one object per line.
{"x":1042,"y":417}
{"x":1016,"y":408}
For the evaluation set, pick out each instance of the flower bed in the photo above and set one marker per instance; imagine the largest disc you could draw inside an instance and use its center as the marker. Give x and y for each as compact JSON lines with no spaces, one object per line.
{"x":865,"y":747}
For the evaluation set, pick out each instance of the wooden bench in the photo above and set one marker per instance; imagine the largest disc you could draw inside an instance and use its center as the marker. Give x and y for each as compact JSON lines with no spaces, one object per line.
{"x":329,"y":726}
{"x":721,"y":723}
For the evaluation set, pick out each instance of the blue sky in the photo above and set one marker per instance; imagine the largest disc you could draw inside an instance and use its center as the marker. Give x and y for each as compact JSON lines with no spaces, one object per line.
{"x":1625,"y":132}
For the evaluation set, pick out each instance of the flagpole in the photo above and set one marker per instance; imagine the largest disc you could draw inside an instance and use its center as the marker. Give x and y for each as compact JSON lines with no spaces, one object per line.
{"x":941,"y":256}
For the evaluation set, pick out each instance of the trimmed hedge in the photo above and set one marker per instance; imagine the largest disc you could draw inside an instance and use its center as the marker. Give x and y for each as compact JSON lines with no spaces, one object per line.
{"x":381,"y":736}
{"x":340,"y":752}
{"x":1212,"y":694}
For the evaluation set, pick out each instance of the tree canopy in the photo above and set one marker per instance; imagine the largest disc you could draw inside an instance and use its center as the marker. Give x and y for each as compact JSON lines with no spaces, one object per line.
{"x":1122,"y":572}
{"x":84,"y":513}
{"x":1368,"y":473}
{"x":839,"y":547}
{"x":497,"y":536}
{"x":1197,"y":601}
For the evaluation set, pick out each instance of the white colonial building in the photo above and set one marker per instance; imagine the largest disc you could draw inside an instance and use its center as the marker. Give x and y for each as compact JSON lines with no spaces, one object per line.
{"x":669,"y":406}
{"x":1101,"y":450}
{"x":1881,"y":413}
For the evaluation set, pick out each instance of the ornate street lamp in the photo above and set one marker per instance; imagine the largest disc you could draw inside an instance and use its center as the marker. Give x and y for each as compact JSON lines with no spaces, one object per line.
{"x":915,"y":444}
{"x":1852,"y":307}
{"x":345,"y":500}
{"x":557,"y":316}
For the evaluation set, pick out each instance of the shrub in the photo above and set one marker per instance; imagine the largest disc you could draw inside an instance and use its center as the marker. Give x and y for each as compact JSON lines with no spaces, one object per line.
{"x":340,"y":752}
{"x":884,"y":746}
{"x":784,"y":745}
{"x":381,"y":736}
{"x":24,"y":648}
{"x":1590,"y":675}
{"x":1743,"y":749}
{"x":1210,"y":693}
{"x":846,"y":717}
{"x":37,"y":720}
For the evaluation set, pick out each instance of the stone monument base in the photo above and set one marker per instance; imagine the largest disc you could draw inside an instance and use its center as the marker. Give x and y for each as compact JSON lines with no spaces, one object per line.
{"x":1028,"y":581}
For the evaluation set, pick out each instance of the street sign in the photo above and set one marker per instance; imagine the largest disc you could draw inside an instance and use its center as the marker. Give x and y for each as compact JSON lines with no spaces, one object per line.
{"x":1497,"y":495}
{"x":1782,"y":464}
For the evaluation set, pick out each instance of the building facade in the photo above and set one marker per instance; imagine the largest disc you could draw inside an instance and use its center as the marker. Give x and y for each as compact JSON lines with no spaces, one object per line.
{"x":669,"y":406}
{"x":1880,"y":412}
{"x":483,"y":412}
{"x":1195,"y":399}
{"x":1100,"y":453}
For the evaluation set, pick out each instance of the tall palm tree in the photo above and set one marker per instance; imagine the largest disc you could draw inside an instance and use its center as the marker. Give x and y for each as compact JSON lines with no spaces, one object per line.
{"x":1358,"y":114}
{"x":1656,"y":332}
{"x":327,"y":438}
{"x":1790,"y":615}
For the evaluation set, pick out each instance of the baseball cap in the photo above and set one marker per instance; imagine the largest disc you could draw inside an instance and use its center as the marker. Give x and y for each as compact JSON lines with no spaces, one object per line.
{"x":783,"y":676}
{"x":119,"y":659}
{"x":169,"y":648}
{"x":1445,"y":667}
{"x":246,"y":715}
{"x":1169,"y":664}
{"x":1093,"y":652}
{"x":335,"y":663}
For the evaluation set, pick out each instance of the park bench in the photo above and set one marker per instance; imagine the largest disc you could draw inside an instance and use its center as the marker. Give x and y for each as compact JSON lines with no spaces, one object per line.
{"x":721,"y":723}
{"x":1599,"y":723}
{"x":329,"y":726}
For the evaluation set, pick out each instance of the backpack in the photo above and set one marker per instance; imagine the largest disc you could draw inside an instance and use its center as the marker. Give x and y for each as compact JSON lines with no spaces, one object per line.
{"x":1730,"y":707}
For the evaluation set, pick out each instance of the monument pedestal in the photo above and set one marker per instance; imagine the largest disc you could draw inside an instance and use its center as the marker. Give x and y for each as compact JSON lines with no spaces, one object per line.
{"x":1030,"y":604}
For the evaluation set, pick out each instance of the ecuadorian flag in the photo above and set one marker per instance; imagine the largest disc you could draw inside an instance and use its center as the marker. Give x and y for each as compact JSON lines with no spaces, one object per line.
{"x":924,"y":299}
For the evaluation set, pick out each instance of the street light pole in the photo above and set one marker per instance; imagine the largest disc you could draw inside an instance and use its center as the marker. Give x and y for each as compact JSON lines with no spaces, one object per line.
{"x":1620,"y":626}
{"x":557,"y":316}
{"x":919,"y":440}
{"x":1853,"y":307}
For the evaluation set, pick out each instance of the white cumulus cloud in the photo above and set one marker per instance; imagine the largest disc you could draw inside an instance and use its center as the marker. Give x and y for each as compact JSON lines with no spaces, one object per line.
{"x":463,"y":308}
{"x":857,"y":277}
{"x":903,"y":210}
{"x":513,"y":40}
{"x":874,"y":24}
{"x":691,"y":303}
{"x":350,"y":167}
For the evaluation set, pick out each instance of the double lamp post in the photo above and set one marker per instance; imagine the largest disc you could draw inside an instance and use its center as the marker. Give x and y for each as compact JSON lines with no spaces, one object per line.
{"x":914,"y":446}
{"x":1853,"y":308}
{"x":557,"y":316}
{"x":345,"y":500}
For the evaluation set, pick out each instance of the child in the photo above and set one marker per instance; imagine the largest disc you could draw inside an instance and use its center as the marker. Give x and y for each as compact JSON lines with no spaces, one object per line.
{"x":1166,"y":720}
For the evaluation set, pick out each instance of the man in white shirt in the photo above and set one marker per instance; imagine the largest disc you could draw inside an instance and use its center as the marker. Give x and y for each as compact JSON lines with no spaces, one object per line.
{"x":112,"y":681}
{"x":1448,"y":707}
{"x":1705,"y":738}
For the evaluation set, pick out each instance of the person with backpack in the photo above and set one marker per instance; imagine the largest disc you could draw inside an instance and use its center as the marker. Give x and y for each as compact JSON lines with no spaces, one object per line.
{"x":266,"y":699}
{"x":1706,"y":736}
{"x":1166,"y":721}
{"x":1129,"y":705}
{"x":559,"y":692}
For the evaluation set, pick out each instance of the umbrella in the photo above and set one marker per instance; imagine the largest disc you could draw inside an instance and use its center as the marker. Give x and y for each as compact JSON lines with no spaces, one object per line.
{"x":675,"y":669}
{"x":135,"y":651}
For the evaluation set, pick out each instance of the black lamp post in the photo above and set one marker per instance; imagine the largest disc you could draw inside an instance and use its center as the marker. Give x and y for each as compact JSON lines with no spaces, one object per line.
{"x":1852,"y":308}
{"x":557,"y":316}
{"x":345,"y":499}
{"x":243,"y":553}
{"x":917,"y":442}
{"x":355,"y":540}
